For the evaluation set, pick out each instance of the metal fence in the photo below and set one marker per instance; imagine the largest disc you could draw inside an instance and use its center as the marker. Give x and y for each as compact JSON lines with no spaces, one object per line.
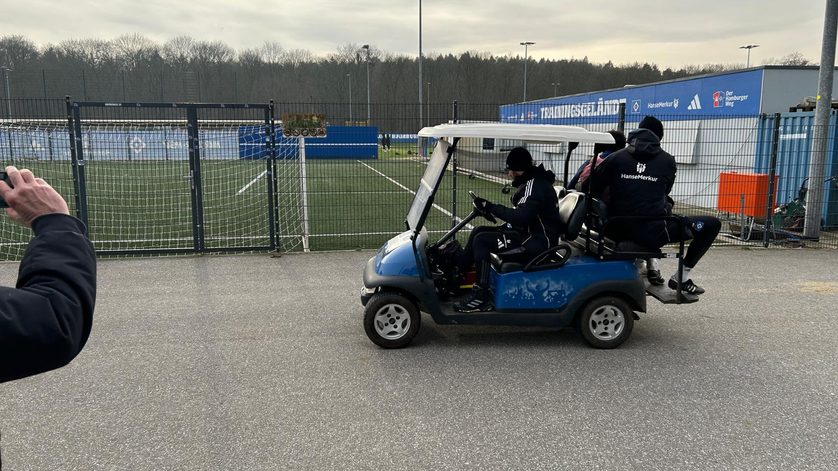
{"x":352,"y":189}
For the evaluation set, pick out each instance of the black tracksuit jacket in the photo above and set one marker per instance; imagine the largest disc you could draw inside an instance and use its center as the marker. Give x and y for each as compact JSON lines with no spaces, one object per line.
{"x":638,"y":179}
{"x":46,"y":320}
{"x":534,"y":213}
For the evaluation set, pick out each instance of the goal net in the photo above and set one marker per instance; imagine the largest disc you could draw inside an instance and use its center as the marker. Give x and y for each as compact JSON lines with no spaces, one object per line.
{"x":141,"y":194}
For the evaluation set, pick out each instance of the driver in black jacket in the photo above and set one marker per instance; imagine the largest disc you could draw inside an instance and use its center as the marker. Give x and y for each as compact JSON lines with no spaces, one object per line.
{"x":533,"y":225}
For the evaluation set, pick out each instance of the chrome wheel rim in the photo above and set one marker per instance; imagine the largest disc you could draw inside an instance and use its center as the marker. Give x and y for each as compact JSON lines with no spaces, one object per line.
{"x":607,"y":322}
{"x":391,"y":321}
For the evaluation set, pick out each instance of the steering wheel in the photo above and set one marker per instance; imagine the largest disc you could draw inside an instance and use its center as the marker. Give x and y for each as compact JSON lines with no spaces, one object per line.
{"x":486,"y":215}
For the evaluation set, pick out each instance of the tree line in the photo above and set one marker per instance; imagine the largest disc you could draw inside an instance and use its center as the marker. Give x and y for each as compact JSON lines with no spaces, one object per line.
{"x":135,"y":68}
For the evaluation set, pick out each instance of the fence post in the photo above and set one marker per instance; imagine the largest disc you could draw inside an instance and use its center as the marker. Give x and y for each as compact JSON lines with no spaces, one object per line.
{"x":772,"y":171}
{"x":302,"y":157}
{"x":83,"y":85}
{"x":195,"y":178}
{"x":621,"y":123}
{"x":9,"y":139}
{"x":271,"y":169}
{"x":455,"y":113}
{"x":77,"y":159}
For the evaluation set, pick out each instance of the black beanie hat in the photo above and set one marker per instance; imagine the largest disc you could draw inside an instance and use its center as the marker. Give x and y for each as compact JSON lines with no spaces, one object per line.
{"x":519,"y":159}
{"x":652,"y":124}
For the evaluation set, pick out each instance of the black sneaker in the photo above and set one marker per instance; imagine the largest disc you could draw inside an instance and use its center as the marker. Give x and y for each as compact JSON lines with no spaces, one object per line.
{"x":475,"y":303}
{"x":654,"y":277}
{"x":687,"y":287}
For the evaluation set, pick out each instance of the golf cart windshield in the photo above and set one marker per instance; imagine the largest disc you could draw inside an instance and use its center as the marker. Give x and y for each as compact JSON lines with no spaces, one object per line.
{"x":427,"y":186}
{"x":446,"y":134}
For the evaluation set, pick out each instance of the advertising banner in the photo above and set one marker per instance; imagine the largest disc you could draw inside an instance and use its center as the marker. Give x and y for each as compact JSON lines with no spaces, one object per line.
{"x":735,"y":94}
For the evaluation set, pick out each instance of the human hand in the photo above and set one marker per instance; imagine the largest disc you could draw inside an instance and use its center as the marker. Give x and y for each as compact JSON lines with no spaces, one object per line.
{"x":29,"y":197}
{"x":484,"y":206}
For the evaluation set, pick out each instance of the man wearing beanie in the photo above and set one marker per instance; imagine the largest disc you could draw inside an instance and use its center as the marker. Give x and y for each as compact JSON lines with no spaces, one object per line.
{"x":639,"y":179}
{"x":533,"y":225}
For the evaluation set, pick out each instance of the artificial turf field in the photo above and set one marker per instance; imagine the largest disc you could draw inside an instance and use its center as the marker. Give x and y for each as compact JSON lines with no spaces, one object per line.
{"x":137,"y":205}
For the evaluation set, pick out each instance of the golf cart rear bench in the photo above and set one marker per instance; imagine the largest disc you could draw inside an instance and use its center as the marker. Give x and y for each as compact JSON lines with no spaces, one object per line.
{"x":593,"y":241}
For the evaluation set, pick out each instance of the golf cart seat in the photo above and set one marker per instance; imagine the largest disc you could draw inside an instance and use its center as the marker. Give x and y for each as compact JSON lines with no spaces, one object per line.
{"x":596,"y":243}
{"x":571,"y":215}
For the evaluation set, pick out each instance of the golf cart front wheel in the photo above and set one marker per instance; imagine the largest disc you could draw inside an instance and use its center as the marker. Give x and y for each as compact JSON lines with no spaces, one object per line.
{"x":391,"y":320}
{"x":606,"y":322}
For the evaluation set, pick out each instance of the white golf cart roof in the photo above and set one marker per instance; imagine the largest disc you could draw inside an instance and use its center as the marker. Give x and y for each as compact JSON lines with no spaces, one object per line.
{"x":541,"y":133}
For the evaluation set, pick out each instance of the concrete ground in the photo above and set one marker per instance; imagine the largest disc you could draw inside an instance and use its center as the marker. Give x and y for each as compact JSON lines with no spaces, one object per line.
{"x":253,"y":362}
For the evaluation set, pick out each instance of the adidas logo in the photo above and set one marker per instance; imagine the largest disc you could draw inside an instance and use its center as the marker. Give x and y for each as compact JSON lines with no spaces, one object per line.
{"x":695,"y":104}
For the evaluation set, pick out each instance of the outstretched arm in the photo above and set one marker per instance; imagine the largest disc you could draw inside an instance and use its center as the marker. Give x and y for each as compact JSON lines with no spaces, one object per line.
{"x":46,"y":319}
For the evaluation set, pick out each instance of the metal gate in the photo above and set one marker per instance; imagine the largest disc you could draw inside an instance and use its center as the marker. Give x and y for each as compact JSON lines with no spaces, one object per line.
{"x":175,"y":177}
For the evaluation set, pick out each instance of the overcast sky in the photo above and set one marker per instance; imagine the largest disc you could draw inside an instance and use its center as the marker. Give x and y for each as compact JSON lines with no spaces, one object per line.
{"x":670,"y":33}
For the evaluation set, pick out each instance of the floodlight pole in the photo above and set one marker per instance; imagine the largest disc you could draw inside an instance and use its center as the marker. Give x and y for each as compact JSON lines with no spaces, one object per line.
{"x":526,"y":44}
{"x":428,"y":101}
{"x":820,"y":134}
{"x":350,"y":98}
{"x":366,"y":47}
{"x":748,"y":47}
{"x":6,"y":71}
{"x":420,"y":64}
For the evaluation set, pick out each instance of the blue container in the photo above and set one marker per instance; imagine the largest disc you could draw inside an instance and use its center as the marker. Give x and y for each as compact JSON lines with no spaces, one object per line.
{"x":793,"y":156}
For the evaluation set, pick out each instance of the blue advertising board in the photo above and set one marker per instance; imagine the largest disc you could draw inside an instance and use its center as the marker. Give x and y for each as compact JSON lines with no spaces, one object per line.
{"x":340,"y":142}
{"x":734,"y":94}
{"x":242,"y":142}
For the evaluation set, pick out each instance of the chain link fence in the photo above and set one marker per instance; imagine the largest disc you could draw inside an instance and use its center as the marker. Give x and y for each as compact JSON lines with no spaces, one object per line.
{"x":352,"y":188}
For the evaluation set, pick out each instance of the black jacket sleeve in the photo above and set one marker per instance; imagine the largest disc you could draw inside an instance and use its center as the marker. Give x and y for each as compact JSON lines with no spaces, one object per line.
{"x":673,"y":169}
{"x":527,"y":208}
{"x":46,"y":320}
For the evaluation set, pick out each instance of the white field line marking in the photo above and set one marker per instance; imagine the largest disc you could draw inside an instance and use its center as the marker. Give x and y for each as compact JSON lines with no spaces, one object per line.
{"x":439,"y":208}
{"x":484,"y":176}
{"x":488,"y":178}
{"x":244,"y":188}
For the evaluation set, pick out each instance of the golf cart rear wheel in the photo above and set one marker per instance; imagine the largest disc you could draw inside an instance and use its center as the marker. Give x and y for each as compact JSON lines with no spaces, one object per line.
{"x":606,"y":322}
{"x":391,"y":320}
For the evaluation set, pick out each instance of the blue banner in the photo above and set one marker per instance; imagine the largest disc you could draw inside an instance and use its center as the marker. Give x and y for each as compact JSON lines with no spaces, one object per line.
{"x":240,"y":142}
{"x":340,"y":142}
{"x":734,"y":94}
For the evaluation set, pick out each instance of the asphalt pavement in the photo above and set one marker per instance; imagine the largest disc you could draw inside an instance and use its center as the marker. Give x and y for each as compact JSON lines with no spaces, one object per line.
{"x":259,"y":362}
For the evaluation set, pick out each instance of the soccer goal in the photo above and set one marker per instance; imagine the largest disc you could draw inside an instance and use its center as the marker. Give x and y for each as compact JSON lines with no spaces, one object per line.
{"x":164,"y":177}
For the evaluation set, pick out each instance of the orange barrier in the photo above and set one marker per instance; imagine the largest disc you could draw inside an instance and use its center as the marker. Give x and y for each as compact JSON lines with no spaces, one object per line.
{"x":745,"y":193}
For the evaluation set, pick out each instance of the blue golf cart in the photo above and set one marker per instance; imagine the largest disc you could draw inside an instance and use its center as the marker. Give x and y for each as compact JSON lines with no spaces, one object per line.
{"x":585,"y":281}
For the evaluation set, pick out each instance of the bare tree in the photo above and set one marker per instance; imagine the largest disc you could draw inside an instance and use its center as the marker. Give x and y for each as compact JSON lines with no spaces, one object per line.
{"x":212,"y":52}
{"x":346,"y":54}
{"x":298,"y":57}
{"x":17,"y":50}
{"x":93,"y":53}
{"x":794,"y":58}
{"x":250,"y":58}
{"x":272,"y":52}
{"x":178,"y":51}
{"x":134,"y":49}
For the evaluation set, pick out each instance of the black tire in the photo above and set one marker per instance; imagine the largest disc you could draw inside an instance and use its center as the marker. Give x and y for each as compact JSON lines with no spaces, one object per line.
{"x":606,"y":322}
{"x":391,"y":320}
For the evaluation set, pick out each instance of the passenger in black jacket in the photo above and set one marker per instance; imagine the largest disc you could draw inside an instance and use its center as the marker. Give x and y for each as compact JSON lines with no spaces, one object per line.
{"x":46,"y":319}
{"x":533,"y":225}
{"x":639,"y":179}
